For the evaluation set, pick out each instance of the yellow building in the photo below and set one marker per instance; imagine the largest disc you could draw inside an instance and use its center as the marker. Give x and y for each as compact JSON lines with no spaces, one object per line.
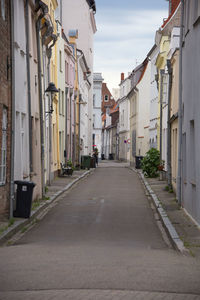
{"x":73,"y":36}
{"x":50,"y":106}
{"x":162,"y":97}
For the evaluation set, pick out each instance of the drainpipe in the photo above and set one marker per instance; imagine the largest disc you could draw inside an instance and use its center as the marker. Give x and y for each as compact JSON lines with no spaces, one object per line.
{"x":74,"y":139}
{"x":61,"y":13}
{"x":29,"y":85}
{"x":70,"y":118}
{"x":79,"y":130}
{"x":49,"y":54}
{"x":161,"y":116}
{"x":12,"y":164}
{"x":38,"y":23}
{"x":66,"y":127}
{"x":49,"y":115}
{"x":179,"y":178}
{"x":169,"y":168}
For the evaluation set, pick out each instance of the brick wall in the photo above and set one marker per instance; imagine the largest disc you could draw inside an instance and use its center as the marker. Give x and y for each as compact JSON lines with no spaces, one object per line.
{"x":105,"y":104}
{"x":5,"y":99}
{"x":115,"y":117}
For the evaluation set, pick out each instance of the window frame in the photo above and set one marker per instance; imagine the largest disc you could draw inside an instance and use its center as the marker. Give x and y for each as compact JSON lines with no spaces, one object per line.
{"x":3,"y":147}
{"x":3,"y":9}
{"x":105,"y":96}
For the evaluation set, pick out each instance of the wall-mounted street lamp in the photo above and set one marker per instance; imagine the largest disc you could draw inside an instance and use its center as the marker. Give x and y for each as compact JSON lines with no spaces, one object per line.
{"x":52,"y":90}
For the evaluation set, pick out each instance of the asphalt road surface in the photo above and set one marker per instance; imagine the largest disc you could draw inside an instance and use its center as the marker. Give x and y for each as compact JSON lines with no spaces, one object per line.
{"x":101,"y":241}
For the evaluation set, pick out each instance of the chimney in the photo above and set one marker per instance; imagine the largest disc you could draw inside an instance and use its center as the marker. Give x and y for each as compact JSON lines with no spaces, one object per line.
{"x":122,"y":77}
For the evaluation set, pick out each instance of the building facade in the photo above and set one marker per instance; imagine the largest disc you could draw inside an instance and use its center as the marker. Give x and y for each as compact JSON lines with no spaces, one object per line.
{"x":5,"y":106}
{"x":97,"y":122}
{"x":190,"y":145}
{"x":124,"y":120}
{"x":153,"y":98}
{"x":81,"y":17}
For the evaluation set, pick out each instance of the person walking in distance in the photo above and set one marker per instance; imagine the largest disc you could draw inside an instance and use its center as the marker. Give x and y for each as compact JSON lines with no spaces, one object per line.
{"x":95,"y":155}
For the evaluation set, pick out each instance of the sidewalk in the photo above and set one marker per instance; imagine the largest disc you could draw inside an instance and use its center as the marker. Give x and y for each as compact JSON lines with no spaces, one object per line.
{"x":58,"y":186}
{"x":181,"y":229}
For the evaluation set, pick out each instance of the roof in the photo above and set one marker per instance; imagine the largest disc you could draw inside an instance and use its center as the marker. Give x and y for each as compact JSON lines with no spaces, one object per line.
{"x":175,"y":6}
{"x":142,"y":74}
{"x":114,"y":109}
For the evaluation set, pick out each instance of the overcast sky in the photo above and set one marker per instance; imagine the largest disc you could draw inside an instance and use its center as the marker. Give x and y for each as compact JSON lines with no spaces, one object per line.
{"x":125,"y":34}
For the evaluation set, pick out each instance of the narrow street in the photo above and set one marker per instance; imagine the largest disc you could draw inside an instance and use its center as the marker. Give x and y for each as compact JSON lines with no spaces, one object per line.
{"x":100,"y":241}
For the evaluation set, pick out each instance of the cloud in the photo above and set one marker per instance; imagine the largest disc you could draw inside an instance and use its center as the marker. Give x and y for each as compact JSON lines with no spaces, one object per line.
{"x":122,"y":38}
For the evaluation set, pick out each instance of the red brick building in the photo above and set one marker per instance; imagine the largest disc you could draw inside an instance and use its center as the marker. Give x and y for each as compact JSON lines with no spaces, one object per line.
{"x":5,"y":106}
{"x":107,"y":99}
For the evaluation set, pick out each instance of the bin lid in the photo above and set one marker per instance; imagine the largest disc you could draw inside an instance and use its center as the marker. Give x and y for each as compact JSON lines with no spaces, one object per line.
{"x":23,"y":182}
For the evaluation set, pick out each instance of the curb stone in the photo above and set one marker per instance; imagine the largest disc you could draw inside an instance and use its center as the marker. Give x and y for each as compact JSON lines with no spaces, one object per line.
{"x":19,"y":224}
{"x":169,"y":228}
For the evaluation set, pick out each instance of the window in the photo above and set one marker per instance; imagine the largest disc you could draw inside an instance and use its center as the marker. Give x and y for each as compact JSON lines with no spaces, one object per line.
{"x":94,"y":100}
{"x":184,"y":159}
{"x":106,"y":98}
{"x":93,"y":121}
{"x":192,"y":151}
{"x":62,"y":103}
{"x":3,"y":13}
{"x":3,"y":148}
{"x":34,"y":42}
{"x":66,"y":72}
{"x":60,"y":60}
{"x":59,"y":102}
{"x":23,"y":143}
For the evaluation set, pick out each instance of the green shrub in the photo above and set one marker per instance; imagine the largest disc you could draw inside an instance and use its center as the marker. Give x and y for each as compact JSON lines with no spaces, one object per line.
{"x":70,"y":164}
{"x":151,"y":162}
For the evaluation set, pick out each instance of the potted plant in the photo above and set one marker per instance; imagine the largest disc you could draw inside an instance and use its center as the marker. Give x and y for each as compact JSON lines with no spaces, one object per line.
{"x":161,"y":165}
{"x":69,"y":167}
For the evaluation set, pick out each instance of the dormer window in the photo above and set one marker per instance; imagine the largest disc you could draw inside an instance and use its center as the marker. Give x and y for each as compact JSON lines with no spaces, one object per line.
{"x":106,"y":98}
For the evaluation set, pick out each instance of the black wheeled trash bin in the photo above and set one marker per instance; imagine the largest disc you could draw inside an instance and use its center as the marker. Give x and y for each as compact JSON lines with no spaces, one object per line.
{"x":85,"y":161}
{"x":24,"y":198}
{"x":138,"y":160}
{"x":111,"y":156}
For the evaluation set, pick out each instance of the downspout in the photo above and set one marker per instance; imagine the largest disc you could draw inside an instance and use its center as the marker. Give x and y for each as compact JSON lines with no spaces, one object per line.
{"x":49,"y":54}
{"x":40,"y":99}
{"x":66,"y":127}
{"x":179,"y":179}
{"x":79,"y":131}
{"x":13,"y":113}
{"x":49,"y":114}
{"x":61,"y":11}
{"x":169,"y":168}
{"x":74,"y":138}
{"x":29,"y":85}
{"x":70,"y":126}
{"x":79,"y":115}
{"x":161,"y":116}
